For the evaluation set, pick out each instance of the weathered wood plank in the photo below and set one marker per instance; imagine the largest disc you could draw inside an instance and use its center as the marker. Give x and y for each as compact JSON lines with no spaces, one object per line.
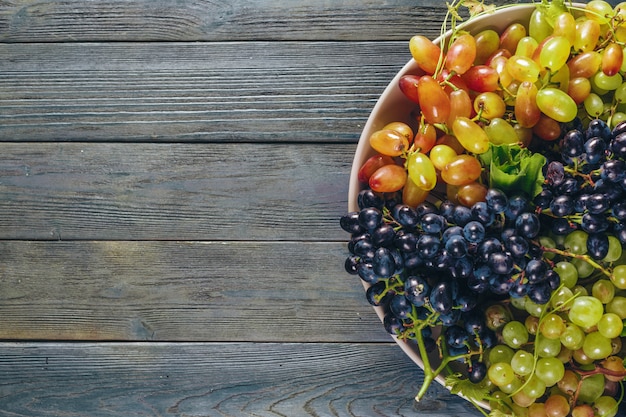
{"x":173,"y":191}
{"x":219,"y":92}
{"x":230,"y":379}
{"x":203,"y":20}
{"x":186,"y":291}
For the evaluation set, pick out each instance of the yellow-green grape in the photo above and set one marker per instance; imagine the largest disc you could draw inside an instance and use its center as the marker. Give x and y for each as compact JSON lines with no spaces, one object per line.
{"x":618,"y":277}
{"x":587,"y":35}
{"x":501,"y":374}
{"x":600,"y":11}
{"x":615,"y":250}
{"x":572,"y":337}
{"x":550,"y":370}
{"x":470,"y":135}
{"x":591,"y":388}
{"x":442,"y":155}
{"x":584,"y":268}
{"x":489,"y":105}
{"x":554,"y":53}
{"x":535,"y":387}
{"x":522,"y":362}
{"x":619,"y":95}
{"x":547,"y":348}
{"x":617,"y":118}
{"x":617,"y":306}
{"x":522,"y":68}
{"x":610,"y":325}
{"x":539,"y":26}
{"x":603,"y":290}
{"x":594,"y":106}
{"x":556,"y":104}
{"x":565,"y":25}
{"x":422,"y":171}
{"x":561,"y":298}
{"x":606,"y":82}
{"x":586,"y":311}
{"x":568,"y":273}
{"x":526,"y":47}
{"x":501,"y":132}
{"x":597,"y":346}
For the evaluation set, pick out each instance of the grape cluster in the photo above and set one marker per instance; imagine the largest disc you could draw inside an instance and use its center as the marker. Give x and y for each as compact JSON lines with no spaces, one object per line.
{"x":585,"y":187}
{"x":435,"y":265}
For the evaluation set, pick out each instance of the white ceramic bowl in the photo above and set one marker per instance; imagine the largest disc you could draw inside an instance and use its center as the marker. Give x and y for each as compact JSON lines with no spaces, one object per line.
{"x":393,"y":106}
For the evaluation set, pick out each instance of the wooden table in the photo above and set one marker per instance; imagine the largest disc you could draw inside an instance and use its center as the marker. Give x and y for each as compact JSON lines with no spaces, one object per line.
{"x":171,"y":179}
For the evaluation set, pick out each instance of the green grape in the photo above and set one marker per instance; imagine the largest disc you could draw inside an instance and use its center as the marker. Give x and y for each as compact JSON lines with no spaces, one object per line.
{"x":539,"y":26}
{"x":606,"y":82}
{"x":610,"y":325}
{"x":572,"y":337}
{"x":560,"y":297}
{"x":591,"y":388}
{"x":617,"y":118}
{"x":501,"y":132}
{"x":550,"y":370}
{"x":584,"y":268}
{"x":568,"y":273}
{"x":597,"y":346}
{"x":535,"y":387}
{"x":526,"y":47}
{"x":519,"y":303}
{"x":620,"y":94}
{"x":603,"y":290}
{"x":576,"y":242}
{"x":514,"y":386}
{"x":501,"y":353}
{"x":586,"y":311}
{"x":579,"y":290}
{"x":556,"y":104}
{"x":522,"y":362}
{"x":514,"y":334}
{"x":422,"y":171}
{"x":617,"y":306}
{"x":534,"y":309}
{"x":605,"y":406}
{"x":594,"y":105}
{"x":615,"y":250}
{"x":554,"y":53}
{"x":547,"y":242}
{"x":552,"y":326}
{"x":547,"y":348}
{"x":618,"y":277}
{"x":501,"y":374}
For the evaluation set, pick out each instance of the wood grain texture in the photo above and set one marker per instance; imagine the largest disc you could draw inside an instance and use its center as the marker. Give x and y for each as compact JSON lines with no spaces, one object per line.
{"x":226,"y":380}
{"x":218,"y":92}
{"x":185,"y":291}
{"x":205,"y":20}
{"x":123,"y":191}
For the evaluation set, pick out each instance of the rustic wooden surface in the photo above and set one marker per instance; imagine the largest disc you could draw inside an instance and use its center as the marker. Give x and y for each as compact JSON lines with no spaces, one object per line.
{"x":171,"y":179}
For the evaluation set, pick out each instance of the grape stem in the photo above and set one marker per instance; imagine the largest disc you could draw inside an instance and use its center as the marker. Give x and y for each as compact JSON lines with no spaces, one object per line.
{"x":585,"y":258}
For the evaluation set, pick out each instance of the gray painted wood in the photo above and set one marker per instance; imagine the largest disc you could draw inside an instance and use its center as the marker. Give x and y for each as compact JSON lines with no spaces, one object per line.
{"x":215,"y":379}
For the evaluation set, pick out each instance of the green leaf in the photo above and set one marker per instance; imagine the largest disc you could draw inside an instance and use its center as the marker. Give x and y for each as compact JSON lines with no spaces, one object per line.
{"x":513,"y":169}
{"x":465,"y":387}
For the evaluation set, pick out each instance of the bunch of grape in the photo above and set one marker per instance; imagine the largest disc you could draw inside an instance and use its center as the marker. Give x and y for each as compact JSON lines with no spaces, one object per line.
{"x":499,"y":88}
{"x":527,"y":291}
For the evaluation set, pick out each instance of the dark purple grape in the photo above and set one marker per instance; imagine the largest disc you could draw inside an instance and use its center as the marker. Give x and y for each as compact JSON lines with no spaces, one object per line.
{"x":598,"y":245}
{"x":462,"y":215}
{"x":613,"y":170}
{"x":555,"y":174}
{"x":446,"y":209}
{"x":598,"y":128}
{"x":500,"y":263}
{"x":518,"y":289}
{"x":618,"y":145}
{"x":466,"y":302}
{"x":543,"y":199}
{"x":451,"y":231}
{"x":595,"y":149}
{"x":456,"y":336}
{"x":562,"y":205}
{"x":352,"y":263}
{"x":368,"y":198}
{"x":572,"y":144}
{"x":517,"y":205}
{"x":428,"y":246}
{"x":487,"y":247}
{"x":483,"y":213}
{"x":416,"y":289}
{"x":561,"y":226}
{"x":474,"y":232}
{"x":441,"y":297}
{"x":370,"y":218}
{"x":619,"y":210}
{"x":536,"y":271}
{"x":553,"y":279}
{"x":500,"y":284}
{"x":350,"y":223}
{"x":405,"y":241}
{"x":374,"y":292}
{"x":540,"y":293}
{"x":594,"y":223}
{"x":405,"y":215}
{"x":569,"y":186}
{"x":426,"y":207}
{"x":527,"y":225}
{"x":456,"y":246}
{"x":400,"y":306}
{"x":619,"y":129}
{"x":366,"y":273}
{"x":477,"y":372}
{"x":451,"y":318}
{"x":462,"y":269}
{"x":496,"y":200}
{"x":517,"y":246}
{"x":432,"y":223}
{"x":393,"y":325}
{"x":383,"y":235}
{"x":383,"y":262}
